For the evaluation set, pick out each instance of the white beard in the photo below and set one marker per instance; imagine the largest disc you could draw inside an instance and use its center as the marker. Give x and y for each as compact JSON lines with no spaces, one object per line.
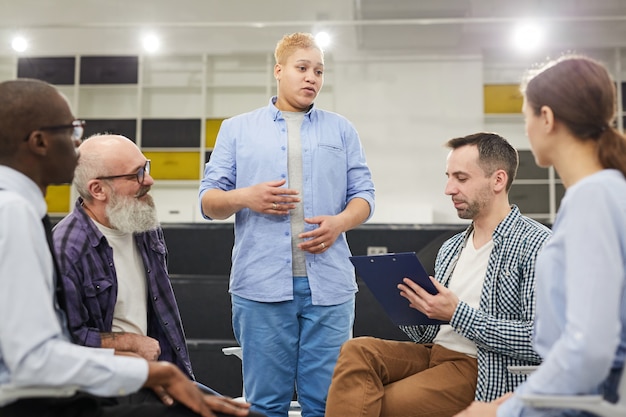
{"x":131,"y":215}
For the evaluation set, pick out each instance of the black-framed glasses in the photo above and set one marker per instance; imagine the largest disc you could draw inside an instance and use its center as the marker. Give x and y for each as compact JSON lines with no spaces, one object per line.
{"x":78,"y":127}
{"x":139,"y":175}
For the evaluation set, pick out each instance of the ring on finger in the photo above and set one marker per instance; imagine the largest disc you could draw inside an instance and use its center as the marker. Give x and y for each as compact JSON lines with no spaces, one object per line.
{"x":274,"y":206}
{"x":323,"y":245}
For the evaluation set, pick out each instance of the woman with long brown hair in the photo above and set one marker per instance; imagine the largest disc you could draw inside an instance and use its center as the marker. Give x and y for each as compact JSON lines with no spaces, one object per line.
{"x":569,"y":109}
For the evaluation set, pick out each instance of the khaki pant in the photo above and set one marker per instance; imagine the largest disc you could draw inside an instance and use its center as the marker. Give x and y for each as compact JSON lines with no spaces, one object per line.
{"x":386,"y":378}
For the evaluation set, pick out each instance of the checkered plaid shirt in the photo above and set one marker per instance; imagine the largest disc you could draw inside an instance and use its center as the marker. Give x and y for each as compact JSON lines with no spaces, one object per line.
{"x":502,"y":326}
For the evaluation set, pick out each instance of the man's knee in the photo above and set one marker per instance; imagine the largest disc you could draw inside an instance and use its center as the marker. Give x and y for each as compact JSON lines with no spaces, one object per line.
{"x":358,"y":345}
{"x":361,"y":350}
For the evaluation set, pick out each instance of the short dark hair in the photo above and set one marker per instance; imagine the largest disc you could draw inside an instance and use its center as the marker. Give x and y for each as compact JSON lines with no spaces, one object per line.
{"x":22,"y":110}
{"x":494,"y":152}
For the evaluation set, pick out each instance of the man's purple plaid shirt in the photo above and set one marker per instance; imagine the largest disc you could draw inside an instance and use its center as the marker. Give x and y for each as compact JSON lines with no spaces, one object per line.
{"x":88,"y":273}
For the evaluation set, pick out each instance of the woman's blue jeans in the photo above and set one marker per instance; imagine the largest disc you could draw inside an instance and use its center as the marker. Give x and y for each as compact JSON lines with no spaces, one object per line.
{"x":287,"y":344}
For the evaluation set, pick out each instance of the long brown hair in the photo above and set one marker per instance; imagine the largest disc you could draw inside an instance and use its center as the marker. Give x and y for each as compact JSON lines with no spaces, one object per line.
{"x":581,"y":94}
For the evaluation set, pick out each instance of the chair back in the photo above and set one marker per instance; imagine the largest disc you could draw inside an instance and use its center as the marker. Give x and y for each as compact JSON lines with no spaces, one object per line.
{"x":621,"y":388}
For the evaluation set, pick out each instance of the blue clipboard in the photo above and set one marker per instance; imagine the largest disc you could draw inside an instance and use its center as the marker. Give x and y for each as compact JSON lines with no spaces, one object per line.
{"x":383,"y":273}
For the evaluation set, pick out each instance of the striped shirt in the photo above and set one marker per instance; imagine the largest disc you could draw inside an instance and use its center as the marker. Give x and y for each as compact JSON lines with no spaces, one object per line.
{"x":502,"y":326}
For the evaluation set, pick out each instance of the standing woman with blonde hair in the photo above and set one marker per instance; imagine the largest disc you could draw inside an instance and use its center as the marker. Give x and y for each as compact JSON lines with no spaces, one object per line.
{"x":296,"y":180}
{"x":580,"y":332}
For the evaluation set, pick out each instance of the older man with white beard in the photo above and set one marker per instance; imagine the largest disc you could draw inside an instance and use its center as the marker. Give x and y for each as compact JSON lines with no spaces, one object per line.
{"x":112,"y":257}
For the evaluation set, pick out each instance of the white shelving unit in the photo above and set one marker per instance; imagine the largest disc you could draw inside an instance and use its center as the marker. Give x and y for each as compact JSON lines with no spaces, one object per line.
{"x":8,"y":68}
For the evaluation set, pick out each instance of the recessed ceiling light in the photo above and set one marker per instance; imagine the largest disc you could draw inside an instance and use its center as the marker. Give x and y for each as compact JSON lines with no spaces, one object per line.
{"x":322,"y":39}
{"x":19,"y":44}
{"x":528,"y":36}
{"x":151,"y":43}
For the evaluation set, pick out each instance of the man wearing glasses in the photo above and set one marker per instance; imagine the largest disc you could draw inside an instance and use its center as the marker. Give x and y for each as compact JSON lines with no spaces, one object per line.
{"x":41,"y":372}
{"x":113,"y":258}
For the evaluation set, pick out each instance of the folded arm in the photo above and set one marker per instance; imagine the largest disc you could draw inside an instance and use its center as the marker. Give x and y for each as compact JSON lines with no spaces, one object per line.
{"x":144,"y":346}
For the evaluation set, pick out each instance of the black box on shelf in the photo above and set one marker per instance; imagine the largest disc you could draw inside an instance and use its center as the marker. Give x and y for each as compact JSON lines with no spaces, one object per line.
{"x":170,"y":133}
{"x":124,"y":127}
{"x":109,"y":69}
{"x":54,"y":70}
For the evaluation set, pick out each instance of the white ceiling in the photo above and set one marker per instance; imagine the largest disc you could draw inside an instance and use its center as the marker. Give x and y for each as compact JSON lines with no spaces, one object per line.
{"x":61,"y":27}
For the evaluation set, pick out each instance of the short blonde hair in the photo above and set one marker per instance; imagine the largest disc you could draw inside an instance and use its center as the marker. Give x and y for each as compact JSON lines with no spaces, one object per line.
{"x":290,"y":43}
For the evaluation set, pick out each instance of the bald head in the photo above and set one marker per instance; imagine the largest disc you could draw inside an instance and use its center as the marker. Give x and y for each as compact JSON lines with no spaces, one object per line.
{"x":108,"y":148}
{"x":104,"y":155}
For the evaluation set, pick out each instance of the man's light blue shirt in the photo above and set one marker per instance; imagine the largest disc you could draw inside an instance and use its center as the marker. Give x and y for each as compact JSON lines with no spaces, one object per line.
{"x":252,"y":148}
{"x":580,"y":329}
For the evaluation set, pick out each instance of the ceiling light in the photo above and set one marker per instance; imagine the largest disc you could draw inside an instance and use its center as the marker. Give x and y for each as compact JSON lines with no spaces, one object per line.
{"x":322,"y":39}
{"x":151,"y":43}
{"x":528,"y":36}
{"x":19,"y":44}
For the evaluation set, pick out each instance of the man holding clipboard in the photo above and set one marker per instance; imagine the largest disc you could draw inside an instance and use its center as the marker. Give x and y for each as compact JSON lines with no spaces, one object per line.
{"x":484,"y":277}
{"x":383,"y":273}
